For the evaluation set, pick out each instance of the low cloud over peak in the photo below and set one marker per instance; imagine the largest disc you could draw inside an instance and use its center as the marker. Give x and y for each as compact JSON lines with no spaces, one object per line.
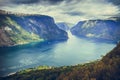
{"x":25,"y":1}
{"x":36,"y":1}
{"x":70,"y":11}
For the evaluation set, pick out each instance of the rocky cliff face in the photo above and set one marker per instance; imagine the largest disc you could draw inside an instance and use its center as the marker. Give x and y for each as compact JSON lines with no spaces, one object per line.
{"x":24,"y":28}
{"x":98,"y":29}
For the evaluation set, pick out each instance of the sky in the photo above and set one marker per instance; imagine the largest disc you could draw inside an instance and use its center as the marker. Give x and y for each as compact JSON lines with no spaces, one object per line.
{"x":69,"y":11}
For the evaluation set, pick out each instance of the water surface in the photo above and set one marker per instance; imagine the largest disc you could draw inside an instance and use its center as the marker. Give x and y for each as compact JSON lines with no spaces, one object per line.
{"x":55,"y":53}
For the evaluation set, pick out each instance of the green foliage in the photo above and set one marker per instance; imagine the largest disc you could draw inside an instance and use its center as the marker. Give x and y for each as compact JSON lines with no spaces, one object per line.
{"x":18,"y":34}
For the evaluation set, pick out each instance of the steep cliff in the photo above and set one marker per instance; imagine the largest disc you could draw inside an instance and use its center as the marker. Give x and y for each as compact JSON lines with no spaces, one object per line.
{"x":98,"y":29}
{"x":24,"y":28}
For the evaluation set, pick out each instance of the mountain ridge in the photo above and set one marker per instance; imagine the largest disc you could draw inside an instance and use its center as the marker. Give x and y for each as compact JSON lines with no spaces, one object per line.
{"x":107,"y":30}
{"x":13,"y":27}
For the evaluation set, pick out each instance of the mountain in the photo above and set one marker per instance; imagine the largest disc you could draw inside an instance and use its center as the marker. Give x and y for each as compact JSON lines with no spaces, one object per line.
{"x":108,"y":68}
{"x":17,"y":28}
{"x":108,"y":30}
{"x":63,"y":26}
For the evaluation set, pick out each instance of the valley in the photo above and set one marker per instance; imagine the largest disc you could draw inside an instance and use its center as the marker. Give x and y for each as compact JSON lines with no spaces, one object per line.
{"x":33,"y":46}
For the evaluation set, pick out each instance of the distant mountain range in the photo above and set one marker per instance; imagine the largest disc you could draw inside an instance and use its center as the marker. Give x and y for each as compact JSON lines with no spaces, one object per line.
{"x":16,"y":28}
{"x":63,"y":26}
{"x":107,"y":30}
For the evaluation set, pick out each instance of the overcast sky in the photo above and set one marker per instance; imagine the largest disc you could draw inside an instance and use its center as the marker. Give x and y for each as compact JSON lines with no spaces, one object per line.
{"x":70,"y":11}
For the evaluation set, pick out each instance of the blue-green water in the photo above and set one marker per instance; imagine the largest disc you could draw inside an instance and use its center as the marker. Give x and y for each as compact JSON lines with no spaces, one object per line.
{"x":55,"y":53}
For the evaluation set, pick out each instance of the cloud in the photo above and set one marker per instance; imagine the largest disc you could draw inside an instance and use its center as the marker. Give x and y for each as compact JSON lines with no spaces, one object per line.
{"x":116,"y":2}
{"x":9,"y":3}
{"x":24,"y":1}
{"x":31,"y":1}
{"x":4,"y":2}
{"x":74,"y":13}
{"x":66,"y":10}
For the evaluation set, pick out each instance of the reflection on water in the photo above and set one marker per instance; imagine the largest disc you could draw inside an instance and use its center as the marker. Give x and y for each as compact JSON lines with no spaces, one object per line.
{"x":73,"y":51}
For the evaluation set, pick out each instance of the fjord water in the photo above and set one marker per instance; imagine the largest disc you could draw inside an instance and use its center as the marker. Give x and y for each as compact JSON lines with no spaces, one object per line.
{"x":54,"y":53}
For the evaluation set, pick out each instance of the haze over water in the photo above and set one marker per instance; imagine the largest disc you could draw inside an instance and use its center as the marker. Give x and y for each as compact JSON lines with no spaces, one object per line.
{"x":70,"y":52}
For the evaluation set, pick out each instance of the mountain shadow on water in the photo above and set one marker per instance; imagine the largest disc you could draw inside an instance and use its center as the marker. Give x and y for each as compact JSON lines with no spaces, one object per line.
{"x":32,"y":45}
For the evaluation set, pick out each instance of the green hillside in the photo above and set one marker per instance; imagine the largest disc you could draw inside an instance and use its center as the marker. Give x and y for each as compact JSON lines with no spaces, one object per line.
{"x":16,"y":29}
{"x":20,"y":36}
{"x":14,"y":34}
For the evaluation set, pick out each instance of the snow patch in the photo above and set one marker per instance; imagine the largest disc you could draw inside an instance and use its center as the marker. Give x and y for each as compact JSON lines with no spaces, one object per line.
{"x":90,"y":35}
{"x":88,"y":24}
{"x":8,"y":28}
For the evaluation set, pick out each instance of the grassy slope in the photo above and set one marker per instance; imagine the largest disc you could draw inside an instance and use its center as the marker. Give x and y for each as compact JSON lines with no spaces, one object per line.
{"x":108,"y":68}
{"x":19,"y":35}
